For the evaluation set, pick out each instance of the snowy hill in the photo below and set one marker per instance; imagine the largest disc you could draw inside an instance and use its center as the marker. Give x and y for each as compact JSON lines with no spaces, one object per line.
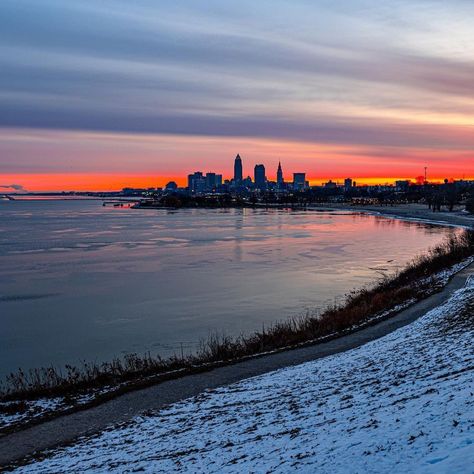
{"x":403,"y":403}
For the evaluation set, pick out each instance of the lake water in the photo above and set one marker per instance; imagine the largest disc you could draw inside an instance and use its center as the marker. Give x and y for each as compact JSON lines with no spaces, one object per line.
{"x":79,"y":281}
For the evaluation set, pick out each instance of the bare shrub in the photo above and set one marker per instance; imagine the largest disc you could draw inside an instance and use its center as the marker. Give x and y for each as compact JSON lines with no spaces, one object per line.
{"x":360,"y":306}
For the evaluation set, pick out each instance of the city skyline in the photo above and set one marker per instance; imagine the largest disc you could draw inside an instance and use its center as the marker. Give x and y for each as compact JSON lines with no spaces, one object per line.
{"x":256,"y":175}
{"x":270,"y":174}
{"x":211,"y":182}
{"x":102,"y":96}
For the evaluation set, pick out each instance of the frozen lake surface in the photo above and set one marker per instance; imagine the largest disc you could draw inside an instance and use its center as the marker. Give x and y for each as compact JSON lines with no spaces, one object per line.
{"x":79,"y":281}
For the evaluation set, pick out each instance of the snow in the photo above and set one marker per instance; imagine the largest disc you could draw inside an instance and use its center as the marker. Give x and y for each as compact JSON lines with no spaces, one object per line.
{"x":42,"y":407}
{"x":442,"y":277}
{"x":28,"y":410}
{"x":403,"y":403}
{"x":37,"y":409}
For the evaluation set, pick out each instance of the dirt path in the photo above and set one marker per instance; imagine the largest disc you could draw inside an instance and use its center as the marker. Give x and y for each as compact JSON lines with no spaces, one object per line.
{"x":65,"y":429}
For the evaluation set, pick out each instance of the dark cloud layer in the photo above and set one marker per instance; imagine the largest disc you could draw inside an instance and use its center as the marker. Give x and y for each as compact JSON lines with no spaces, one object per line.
{"x":324,"y":130}
{"x":231,"y":71}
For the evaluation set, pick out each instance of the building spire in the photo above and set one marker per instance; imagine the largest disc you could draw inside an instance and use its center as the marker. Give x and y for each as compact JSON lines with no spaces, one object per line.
{"x":279,"y":174}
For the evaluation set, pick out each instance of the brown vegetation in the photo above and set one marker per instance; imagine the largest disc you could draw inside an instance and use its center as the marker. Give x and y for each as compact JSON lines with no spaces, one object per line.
{"x":359,"y":307}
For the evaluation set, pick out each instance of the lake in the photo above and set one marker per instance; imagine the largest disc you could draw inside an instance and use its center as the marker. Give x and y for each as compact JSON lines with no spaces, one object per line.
{"x":79,"y":281}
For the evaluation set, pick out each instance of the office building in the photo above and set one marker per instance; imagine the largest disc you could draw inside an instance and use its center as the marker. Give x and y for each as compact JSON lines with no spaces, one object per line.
{"x":259,"y":177}
{"x":196,"y":182}
{"x":299,"y":181}
{"x":213,"y":181}
{"x":347,"y":184}
{"x":238,"y":170}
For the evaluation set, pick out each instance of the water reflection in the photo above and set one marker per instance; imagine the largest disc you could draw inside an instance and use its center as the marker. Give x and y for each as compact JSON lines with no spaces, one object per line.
{"x":127,"y":280}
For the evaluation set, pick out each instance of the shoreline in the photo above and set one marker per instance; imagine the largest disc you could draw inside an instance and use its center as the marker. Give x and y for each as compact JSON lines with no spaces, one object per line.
{"x":63,"y":430}
{"x":407,"y":212}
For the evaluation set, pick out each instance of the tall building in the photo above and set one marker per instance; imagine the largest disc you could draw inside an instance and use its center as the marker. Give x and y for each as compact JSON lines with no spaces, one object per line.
{"x":210,"y":180}
{"x":280,"y":180}
{"x":299,"y":181}
{"x":347,"y":184}
{"x":213,"y":181}
{"x":238,"y":170}
{"x":196,"y":182}
{"x":259,"y":177}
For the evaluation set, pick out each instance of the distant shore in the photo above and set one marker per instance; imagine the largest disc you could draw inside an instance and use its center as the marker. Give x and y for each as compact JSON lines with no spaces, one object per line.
{"x":418,"y":212}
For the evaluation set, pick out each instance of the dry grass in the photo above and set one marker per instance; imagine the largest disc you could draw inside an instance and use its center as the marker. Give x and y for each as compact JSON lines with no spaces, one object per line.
{"x":359,"y":306}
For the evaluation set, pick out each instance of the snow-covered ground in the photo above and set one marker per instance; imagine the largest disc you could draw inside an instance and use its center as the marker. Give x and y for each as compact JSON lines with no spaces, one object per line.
{"x":29,"y":410}
{"x":25,"y":411}
{"x":14,"y":413}
{"x":403,"y":403}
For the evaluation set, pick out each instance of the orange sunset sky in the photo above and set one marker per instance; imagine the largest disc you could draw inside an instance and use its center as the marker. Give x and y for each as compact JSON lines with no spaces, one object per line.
{"x":105,"y":95}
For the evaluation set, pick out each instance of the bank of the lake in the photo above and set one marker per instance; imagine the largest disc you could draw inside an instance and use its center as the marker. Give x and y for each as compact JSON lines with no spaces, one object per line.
{"x":20,"y":446}
{"x":84,"y":282}
{"x":413,"y":212}
{"x":78,"y":388}
{"x":288,"y":335}
{"x":401,"y":403}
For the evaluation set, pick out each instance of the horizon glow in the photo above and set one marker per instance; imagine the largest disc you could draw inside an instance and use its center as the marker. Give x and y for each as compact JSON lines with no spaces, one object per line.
{"x":100,"y":96}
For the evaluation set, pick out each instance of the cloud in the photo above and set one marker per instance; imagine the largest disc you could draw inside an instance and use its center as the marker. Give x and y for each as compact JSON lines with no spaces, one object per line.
{"x":326,"y":129}
{"x":14,"y":187}
{"x":393,"y":73}
{"x":170,"y":73}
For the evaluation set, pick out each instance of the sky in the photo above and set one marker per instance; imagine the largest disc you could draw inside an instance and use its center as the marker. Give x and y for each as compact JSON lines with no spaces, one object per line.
{"x":105,"y":94}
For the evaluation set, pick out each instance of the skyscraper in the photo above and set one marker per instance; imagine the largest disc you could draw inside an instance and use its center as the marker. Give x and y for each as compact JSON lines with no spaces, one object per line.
{"x":213,"y":181}
{"x":259,"y":177}
{"x":299,"y":181}
{"x":196,"y":182}
{"x":238,"y":170}
{"x":279,"y":175}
